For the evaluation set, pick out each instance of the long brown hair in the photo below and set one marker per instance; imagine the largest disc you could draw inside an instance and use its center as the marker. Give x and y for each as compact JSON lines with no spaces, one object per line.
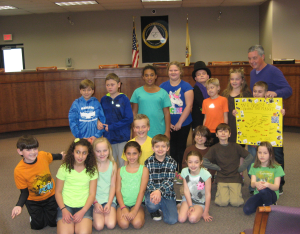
{"x":90,"y":161}
{"x":272,"y":162}
{"x":244,"y":87}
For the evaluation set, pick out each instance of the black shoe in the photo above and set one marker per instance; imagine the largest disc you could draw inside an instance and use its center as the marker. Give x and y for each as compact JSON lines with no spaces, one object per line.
{"x":280,"y":191}
{"x":156,"y":215}
{"x":178,"y":200}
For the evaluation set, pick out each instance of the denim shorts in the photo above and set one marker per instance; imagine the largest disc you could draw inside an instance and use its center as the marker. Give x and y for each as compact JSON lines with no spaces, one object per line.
{"x":194,"y":204}
{"x":129,"y":207}
{"x":88,"y":214}
{"x":114,"y":205}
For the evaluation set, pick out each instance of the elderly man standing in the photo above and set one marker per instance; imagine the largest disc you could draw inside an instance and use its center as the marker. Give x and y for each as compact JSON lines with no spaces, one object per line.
{"x":277,"y":87}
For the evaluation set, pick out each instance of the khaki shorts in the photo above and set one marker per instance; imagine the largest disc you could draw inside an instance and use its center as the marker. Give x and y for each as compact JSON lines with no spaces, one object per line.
{"x":229,"y":193}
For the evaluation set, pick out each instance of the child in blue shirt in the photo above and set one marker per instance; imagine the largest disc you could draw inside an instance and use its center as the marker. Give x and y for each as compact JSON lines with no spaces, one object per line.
{"x":119,"y":116}
{"x":85,"y":112}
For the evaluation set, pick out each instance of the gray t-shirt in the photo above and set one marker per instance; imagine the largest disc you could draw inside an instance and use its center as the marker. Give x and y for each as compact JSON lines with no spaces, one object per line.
{"x":196,"y":184}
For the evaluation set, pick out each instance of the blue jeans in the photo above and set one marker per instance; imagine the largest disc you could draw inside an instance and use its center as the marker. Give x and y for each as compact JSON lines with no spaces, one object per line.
{"x":265,"y":197}
{"x":167,"y":206}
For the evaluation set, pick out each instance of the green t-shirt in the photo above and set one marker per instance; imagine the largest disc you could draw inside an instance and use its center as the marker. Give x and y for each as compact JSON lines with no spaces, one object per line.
{"x":76,"y":186}
{"x":130,"y":185}
{"x":266,"y":174}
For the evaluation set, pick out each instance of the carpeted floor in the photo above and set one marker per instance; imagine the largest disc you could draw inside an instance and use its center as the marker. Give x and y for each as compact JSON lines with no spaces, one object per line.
{"x":225,"y":219}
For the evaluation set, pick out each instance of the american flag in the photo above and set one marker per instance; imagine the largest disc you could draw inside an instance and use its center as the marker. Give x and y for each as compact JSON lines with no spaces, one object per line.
{"x":135,"y":49}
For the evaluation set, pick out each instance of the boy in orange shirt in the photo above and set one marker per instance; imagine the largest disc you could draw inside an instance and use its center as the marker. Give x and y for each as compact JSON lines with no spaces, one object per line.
{"x":214,"y":108}
{"x":32,"y":176}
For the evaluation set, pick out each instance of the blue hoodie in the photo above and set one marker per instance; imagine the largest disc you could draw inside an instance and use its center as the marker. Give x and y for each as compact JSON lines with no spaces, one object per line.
{"x":83,"y":117}
{"x":119,"y":117}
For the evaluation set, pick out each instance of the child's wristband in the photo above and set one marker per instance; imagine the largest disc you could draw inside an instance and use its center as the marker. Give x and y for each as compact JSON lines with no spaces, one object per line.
{"x":191,"y":206}
{"x":95,"y":202}
{"x":63,"y":208}
{"x":123,"y":207}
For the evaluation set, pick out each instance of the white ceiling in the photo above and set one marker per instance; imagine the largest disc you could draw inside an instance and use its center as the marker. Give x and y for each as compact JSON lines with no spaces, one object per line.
{"x":48,"y":6}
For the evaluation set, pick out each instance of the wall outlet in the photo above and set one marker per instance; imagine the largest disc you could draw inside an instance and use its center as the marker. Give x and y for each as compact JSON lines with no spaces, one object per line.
{"x":270,"y":56}
{"x":68,"y":62}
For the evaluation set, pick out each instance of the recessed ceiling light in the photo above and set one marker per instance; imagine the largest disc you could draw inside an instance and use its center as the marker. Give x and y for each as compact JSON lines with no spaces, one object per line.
{"x":7,"y":7}
{"x":161,"y":0}
{"x":78,"y":3}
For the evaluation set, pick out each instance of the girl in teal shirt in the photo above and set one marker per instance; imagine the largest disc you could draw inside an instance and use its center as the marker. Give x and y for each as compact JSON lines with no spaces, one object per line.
{"x":131,"y":185}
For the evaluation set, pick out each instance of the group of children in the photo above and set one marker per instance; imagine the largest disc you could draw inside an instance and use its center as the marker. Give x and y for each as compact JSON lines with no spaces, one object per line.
{"x":89,"y":184}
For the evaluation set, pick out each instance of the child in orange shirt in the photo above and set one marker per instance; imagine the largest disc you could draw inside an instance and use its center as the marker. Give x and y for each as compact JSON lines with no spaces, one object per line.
{"x":214,"y":108}
{"x":33,"y":178}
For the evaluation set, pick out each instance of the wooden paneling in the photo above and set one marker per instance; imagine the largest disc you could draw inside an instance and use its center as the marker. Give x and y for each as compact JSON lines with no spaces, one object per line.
{"x":31,"y":100}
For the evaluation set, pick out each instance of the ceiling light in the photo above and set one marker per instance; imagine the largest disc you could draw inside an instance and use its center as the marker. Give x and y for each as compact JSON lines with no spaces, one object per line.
{"x":78,"y":3}
{"x":7,"y":8}
{"x":161,"y":0}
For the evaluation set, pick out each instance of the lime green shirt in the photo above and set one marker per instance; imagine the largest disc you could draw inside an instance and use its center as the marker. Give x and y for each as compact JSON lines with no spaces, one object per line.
{"x":266,"y":174}
{"x":130,"y":185}
{"x":76,"y":186}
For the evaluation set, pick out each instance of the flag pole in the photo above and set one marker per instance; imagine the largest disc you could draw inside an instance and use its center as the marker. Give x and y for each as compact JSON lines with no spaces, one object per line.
{"x":188,"y":51}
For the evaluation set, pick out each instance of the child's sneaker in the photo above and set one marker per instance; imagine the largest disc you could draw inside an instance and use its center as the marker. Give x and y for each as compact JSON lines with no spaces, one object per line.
{"x":178,"y":201}
{"x":155,"y":215}
{"x":280,"y":191}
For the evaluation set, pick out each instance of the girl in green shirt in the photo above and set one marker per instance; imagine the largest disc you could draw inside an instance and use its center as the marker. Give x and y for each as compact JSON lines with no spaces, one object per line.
{"x":131,"y":185}
{"x":265,"y":178}
{"x":75,"y":190}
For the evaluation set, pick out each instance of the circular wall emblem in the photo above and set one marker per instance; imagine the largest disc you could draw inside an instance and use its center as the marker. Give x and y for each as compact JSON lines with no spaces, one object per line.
{"x":155,"y":35}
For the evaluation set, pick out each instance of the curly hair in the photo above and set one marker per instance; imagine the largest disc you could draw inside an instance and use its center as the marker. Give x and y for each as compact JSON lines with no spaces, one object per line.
{"x":149,"y":67}
{"x":90,"y":161}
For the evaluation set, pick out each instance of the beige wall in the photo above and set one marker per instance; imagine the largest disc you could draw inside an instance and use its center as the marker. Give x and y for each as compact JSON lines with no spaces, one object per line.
{"x":286,"y":30}
{"x":279,"y":29}
{"x":266,"y":29}
{"x":105,"y":37}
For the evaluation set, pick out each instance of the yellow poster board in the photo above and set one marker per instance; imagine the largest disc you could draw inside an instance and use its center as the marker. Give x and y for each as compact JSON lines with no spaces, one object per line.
{"x":259,"y":119}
